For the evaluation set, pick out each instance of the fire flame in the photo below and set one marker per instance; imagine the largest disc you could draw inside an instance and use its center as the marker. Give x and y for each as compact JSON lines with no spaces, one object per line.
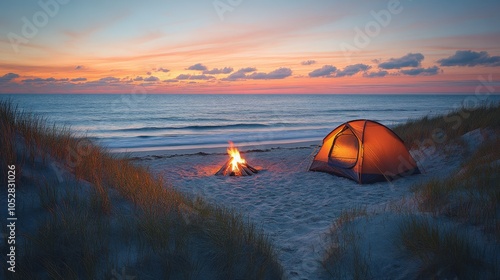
{"x":236,"y":165}
{"x":235,"y":157}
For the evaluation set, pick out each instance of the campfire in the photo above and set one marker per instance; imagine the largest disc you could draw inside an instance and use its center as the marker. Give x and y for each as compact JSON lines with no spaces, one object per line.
{"x":236,"y":165}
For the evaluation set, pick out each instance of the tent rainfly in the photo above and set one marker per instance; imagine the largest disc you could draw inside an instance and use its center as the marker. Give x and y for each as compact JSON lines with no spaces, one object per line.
{"x":364,"y":151}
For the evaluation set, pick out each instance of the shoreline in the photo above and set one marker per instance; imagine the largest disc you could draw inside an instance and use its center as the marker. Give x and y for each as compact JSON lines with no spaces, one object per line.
{"x":215,"y":148}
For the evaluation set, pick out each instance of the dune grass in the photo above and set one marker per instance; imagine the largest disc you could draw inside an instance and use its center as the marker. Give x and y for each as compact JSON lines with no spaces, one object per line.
{"x":468,"y":197}
{"x":70,"y":242}
{"x":343,"y":258}
{"x":165,"y":233}
{"x":443,"y":129}
{"x":472,"y":195}
{"x":445,"y":253}
{"x":8,"y":135}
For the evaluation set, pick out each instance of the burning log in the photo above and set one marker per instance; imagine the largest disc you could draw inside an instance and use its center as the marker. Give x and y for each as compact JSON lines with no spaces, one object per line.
{"x":241,"y":170}
{"x":236,"y":165}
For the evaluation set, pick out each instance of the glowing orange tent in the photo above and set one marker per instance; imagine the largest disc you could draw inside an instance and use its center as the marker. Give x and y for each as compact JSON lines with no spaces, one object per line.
{"x":364,"y":151}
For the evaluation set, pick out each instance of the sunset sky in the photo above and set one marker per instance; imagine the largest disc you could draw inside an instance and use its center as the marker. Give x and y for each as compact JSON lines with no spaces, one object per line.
{"x":249,"y":46}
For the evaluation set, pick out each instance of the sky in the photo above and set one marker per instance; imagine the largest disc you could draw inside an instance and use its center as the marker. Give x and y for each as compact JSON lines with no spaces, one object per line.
{"x":250,"y":46}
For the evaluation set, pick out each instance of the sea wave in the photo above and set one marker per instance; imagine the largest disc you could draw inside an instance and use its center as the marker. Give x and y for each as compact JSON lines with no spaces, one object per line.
{"x":196,"y":127}
{"x":210,"y":139}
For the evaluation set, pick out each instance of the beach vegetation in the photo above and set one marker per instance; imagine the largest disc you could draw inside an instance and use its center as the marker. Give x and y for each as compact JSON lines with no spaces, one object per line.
{"x":440,"y":130}
{"x":444,"y":252}
{"x":467,"y":197}
{"x":471,"y":195}
{"x":343,"y":257}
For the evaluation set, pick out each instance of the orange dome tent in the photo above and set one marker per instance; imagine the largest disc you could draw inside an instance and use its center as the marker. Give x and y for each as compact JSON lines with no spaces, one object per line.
{"x":364,"y":151}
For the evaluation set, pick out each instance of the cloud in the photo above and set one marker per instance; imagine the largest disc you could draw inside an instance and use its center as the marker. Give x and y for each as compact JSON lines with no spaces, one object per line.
{"x":106,"y":81}
{"x":161,"y":69}
{"x":325,"y":71}
{"x":109,"y":80}
{"x":198,"y":67}
{"x":194,"y":77}
{"x":183,"y":77}
{"x":470,"y":58}
{"x":171,"y":81}
{"x":37,"y":80}
{"x":148,"y":73}
{"x":280,"y":73}
{"x":151,"y":79}
{"x":421,"y":71}
{"x":308,"y":62}
{"x":215,"y":71}
{"x":8,"y":77}
{"x":247,"y":70}
{"x":138,"y":78}
{"x":41,"y":80}
{"x":201,"y":77}
{"x":381,"y":73}
{"x":235,"y":76}
{"x":240,"y":74}
{"x":79,"y":79}
{"x":79,"y":67}
{"x":352,"y":70}
{"x":409,"y":60}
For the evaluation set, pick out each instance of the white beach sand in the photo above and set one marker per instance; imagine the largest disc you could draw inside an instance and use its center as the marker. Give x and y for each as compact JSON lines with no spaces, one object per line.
{"x":293,"y":206}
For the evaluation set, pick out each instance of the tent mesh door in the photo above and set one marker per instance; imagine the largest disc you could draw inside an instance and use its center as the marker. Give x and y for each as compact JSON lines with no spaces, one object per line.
{"x":345,"y":150}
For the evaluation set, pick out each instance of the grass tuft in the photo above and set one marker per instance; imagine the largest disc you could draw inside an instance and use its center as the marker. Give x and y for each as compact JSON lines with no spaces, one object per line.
{"x":472,"y":195}
{"x":445,"y":254}
{"x":343,"y":258}
{"x":441,"y":129}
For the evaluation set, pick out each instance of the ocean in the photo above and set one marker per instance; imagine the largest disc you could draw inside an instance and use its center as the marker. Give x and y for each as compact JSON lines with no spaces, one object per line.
{"x":170,"y":122}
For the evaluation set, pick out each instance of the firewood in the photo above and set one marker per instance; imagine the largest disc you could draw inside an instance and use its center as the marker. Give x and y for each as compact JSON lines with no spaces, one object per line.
{"x":244,"y":170}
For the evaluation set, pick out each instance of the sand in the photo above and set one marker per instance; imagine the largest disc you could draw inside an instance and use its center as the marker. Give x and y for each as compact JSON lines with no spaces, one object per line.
{"x":293,"y":206}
